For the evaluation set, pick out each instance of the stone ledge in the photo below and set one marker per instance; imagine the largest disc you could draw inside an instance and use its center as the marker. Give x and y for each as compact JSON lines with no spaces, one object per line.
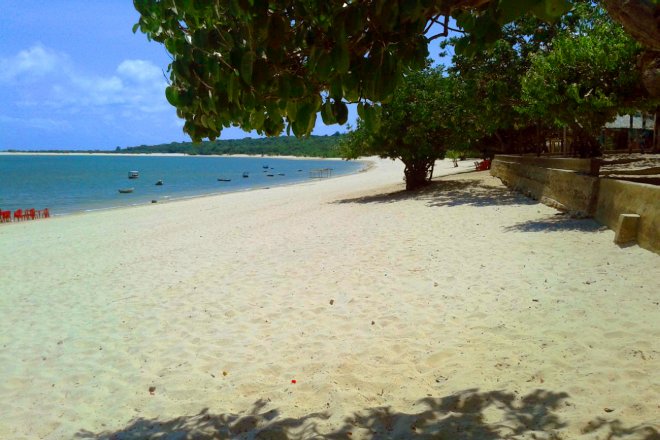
{"x":567,"y":190}
{"x":583,"y":195}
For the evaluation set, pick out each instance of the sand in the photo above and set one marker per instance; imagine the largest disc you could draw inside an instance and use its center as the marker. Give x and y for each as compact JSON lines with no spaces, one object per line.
{"x":342,"y":308}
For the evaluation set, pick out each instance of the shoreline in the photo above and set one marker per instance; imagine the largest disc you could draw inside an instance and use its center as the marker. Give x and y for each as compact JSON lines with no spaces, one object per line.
{"x":346,"y":309}
{"x":368,"y":164}
{"x":364,"y":164}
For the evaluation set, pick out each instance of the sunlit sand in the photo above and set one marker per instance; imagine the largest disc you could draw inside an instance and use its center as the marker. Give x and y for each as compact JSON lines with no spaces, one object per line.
{"x":342,"y":308}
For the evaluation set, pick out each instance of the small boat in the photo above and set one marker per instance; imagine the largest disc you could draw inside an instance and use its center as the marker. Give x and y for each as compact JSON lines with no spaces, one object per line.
{"x":246,"y":174}
{"x":159,"y":183}
{"x":265,"y":166}
{"x":270,"y":175}
{"x":280,"y":174}
{"x":125,"y":190}
{"x":133,"y":174}
{"x":222,"y":179}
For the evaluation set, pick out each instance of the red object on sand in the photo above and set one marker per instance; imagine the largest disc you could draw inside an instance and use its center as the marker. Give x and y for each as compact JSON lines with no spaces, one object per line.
{"x":293,"y":381}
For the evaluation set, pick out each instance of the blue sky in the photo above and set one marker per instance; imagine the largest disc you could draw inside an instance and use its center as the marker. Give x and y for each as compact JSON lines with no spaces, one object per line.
{"x":74,"y":76}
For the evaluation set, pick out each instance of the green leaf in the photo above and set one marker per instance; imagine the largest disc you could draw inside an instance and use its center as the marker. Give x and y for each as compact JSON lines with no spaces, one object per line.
{"x":370,"y":118}
{"x":350,"y":88}
{"x":247,"y":62}
{"x":284,"y":87}
{"x":172,"y":96}
{"x":257,"y":119}
{"x":340,"y":111}
{"x":232,"y":88}
{"x":305,"y":119}
{"x":297,"y":87}
{"x":509,"y":10}
{"x":291,"y":110}
{"x":327,"y":115}
{"x":340,"y":57}
{"x":336,"y":89}
{"x":323,"y":65}
{"x":550,"y":10}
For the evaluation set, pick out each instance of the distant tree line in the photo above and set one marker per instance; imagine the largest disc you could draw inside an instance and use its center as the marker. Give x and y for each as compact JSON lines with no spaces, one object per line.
{"x":312,"y":146}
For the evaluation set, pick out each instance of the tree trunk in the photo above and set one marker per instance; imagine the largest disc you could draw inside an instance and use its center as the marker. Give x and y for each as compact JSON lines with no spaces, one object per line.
{"x":416,"y":175}
{"x":649,"y":65}
{"x":656,"y":132}
{"x":630,"y":135}
{"x":641,"y":19}
{"x":584,"y":143}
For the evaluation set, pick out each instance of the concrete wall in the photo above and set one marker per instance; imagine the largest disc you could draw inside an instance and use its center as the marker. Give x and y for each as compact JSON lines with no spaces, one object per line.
{"x":566,"y":184}
{"x":584,"y":166}
{"x":617,"y":197}
{"x":544,"y":179}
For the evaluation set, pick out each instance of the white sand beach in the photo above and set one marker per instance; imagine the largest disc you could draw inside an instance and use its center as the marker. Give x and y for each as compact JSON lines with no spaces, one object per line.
{"x":464,"y":311}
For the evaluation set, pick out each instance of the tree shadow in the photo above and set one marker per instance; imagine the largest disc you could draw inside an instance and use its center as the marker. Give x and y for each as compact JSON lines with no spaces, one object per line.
{"x":257,"y":424}
{"x":466,"y":415}
{"x":463,"y":416}
{"x":556,"y":223}
{"x":467,"y":192}
{"x":614,"y":429}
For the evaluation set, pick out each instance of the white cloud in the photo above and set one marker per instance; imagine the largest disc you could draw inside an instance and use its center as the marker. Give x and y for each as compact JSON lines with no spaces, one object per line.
{"x":48,"y":92}
{"x":137,"y":86}
{"x":32,"y":63}
{"x":140,"y":71}
{"x":42,"y":77}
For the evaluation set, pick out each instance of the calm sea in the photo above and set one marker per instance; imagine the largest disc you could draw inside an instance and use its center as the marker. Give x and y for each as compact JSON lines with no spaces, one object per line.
{"x":73,"y":183}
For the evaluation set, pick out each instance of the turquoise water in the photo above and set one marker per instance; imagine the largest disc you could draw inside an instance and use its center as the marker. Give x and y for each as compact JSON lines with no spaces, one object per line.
{"x":73,"y":183}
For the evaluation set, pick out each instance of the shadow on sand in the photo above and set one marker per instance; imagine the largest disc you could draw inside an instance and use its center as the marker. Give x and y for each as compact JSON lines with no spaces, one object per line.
{"x":470,"y":192}
{"x":467,"y":415}
{"x":558,"y":222}
{"x":475,"y":192}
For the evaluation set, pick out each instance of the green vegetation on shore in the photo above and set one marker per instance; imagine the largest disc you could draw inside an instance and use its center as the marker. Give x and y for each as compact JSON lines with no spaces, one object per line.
{"x":312,"y":146}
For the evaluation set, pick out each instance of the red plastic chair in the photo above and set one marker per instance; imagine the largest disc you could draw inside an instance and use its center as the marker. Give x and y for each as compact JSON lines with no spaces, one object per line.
{"x":483,"y":165}
{"x":18,"y":214}
{"x":29,"y":214}
{"x":45,"y":213}
{"x":5,"y":216}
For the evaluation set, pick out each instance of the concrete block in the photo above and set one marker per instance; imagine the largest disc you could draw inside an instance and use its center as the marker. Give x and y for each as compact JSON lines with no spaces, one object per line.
{"x":626,"y":230}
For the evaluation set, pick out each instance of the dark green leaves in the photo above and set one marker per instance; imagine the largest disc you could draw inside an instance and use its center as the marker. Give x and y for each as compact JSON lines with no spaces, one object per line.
{"x":172,"y":96}
{"x":341,"y":56}
{"x":415,"y":126}
{"x":247,"y":63}
{"x":370,"y":115}
{"x":267,"y":64}
{"x":550,"y":10}
{"x":327,"y":113}
{"x":340,"y":112}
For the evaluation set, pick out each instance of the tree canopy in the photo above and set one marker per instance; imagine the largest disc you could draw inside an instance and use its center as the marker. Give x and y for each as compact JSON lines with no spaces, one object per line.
{"x":271,"y":65}
{"x":417,"y":125}
{"x":274,"y":65}
{"x":577,"y":72}
{"x":586,"y":77}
